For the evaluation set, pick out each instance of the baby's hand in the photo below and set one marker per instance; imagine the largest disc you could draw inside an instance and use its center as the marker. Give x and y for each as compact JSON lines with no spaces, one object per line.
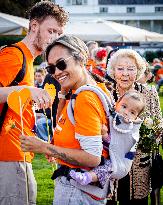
{"x":50,"y":159}
{"x":104,"y":132}
{"x":127,"y":120}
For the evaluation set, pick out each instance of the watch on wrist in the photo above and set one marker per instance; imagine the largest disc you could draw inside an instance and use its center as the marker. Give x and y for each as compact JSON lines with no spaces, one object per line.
{"x":61,"y":96}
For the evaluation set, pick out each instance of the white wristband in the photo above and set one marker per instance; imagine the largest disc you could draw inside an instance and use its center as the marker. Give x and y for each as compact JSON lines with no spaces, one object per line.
{"x":61,"y":96}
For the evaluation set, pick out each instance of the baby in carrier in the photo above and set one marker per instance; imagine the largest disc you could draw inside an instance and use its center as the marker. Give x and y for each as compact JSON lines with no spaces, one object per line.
{"x":120,"y":141}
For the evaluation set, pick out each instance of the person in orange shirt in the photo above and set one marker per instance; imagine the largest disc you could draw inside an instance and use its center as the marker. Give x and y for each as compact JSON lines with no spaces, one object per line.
{"x":76,"y":146}
{"x":100,"y":55}
{"x":159,"y":78}
{"x":91,"y":61}
{"x":47,"y":22}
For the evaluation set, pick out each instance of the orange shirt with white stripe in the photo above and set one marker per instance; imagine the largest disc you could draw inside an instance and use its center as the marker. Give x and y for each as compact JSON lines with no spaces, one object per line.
{"x":89,"y":116}
{"x":10,"y":63}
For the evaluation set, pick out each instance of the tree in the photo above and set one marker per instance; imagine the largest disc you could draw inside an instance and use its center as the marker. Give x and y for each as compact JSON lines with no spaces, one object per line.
{"x":17,"y":7}
{"x":150,"y":55}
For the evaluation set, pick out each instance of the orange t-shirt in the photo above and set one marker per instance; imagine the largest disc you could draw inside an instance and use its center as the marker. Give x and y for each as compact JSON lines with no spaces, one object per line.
{"x":90,"y":64}
{"x":10,"y":63}
{"x":99,"y":69}
{"x":159,"y":72}
{"x":89,"y":116}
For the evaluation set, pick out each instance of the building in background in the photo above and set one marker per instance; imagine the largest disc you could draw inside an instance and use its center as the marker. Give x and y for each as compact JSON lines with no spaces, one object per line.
{"x":146,"y":14}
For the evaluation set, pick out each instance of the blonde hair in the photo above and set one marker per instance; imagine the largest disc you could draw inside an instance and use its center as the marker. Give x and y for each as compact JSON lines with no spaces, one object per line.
{"x":141,"y":65}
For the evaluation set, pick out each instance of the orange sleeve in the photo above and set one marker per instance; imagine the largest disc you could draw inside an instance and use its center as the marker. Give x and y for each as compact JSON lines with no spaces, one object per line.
{"x":88,"y":114}
{"x":10,"y":64}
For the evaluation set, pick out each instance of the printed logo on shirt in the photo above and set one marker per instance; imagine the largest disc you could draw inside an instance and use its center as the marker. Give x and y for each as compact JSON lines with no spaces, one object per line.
{"x":61,"y":121}
{"x":58,"y":129}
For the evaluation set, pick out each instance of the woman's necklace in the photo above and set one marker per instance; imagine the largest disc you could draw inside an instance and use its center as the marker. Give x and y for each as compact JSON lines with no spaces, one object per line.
{"x":117,"y":93}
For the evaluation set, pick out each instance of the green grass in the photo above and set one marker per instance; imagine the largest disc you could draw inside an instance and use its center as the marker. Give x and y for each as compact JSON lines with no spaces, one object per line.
{"x":45,"y":186}
{"x":43,"y":171}
{"x":161,"y":102}
{"x":161,"y":151}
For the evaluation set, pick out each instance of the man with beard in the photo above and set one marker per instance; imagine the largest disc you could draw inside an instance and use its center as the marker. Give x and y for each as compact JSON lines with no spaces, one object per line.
{"x":17,"y":182}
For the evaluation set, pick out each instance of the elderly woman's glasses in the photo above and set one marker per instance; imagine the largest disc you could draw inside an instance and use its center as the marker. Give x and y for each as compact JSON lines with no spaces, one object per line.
{"x":60,"y":64}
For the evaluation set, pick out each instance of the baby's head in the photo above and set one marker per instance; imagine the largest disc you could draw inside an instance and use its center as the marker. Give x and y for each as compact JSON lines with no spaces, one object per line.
{"x":130,"y":105}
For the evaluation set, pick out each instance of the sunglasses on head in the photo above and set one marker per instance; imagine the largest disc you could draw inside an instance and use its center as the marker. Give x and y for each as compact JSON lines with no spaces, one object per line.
{"x":60,"y":64}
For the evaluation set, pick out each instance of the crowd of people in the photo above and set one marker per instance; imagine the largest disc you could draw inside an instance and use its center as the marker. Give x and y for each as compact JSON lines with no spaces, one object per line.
{"x":158,"y":72}
{"x":102,"y":99}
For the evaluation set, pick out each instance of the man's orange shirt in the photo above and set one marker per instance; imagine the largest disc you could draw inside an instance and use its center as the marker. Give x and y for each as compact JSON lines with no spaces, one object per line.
{"x":10,"y":63}
{"x":89,"y":116}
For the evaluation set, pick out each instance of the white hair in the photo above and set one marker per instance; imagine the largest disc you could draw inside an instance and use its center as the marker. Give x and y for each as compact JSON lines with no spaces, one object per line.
{"x":140,"y":63}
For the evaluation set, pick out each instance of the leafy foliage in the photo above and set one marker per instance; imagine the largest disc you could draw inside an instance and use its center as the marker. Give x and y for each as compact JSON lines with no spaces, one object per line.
{"x":8,"y":40}
{"x":150,"y":131}
{"x":150,"y":55}
{"x":16,"y":7}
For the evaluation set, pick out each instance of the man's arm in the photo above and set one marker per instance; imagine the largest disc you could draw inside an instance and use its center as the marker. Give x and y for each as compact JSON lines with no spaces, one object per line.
{"x":5,"y":91}
{"x":72,"y":156}
{"x":40,"y":96}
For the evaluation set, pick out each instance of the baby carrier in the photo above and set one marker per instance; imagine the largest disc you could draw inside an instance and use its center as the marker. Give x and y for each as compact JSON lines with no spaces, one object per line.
{"x":124,"y":137}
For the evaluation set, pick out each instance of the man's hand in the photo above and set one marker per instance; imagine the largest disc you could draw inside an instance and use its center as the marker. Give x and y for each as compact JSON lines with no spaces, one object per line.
{"x":41,"y":97}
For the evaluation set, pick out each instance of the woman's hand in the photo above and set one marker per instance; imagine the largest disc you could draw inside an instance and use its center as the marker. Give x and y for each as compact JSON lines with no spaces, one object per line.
{"x":64,"y":91}
{"x":32,"y":144}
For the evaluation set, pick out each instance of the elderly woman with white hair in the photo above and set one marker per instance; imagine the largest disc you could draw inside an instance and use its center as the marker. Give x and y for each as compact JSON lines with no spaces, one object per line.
{"x":126,"y":68}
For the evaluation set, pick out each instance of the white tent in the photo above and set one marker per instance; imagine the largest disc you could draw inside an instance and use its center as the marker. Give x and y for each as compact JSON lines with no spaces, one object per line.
{"x":13,"y":25}
{"x":110,"y":31}
{"x":91,"y":30}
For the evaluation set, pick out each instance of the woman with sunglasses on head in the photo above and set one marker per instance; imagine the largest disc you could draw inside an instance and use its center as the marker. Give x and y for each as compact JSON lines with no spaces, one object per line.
{"x":76,"y":146}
